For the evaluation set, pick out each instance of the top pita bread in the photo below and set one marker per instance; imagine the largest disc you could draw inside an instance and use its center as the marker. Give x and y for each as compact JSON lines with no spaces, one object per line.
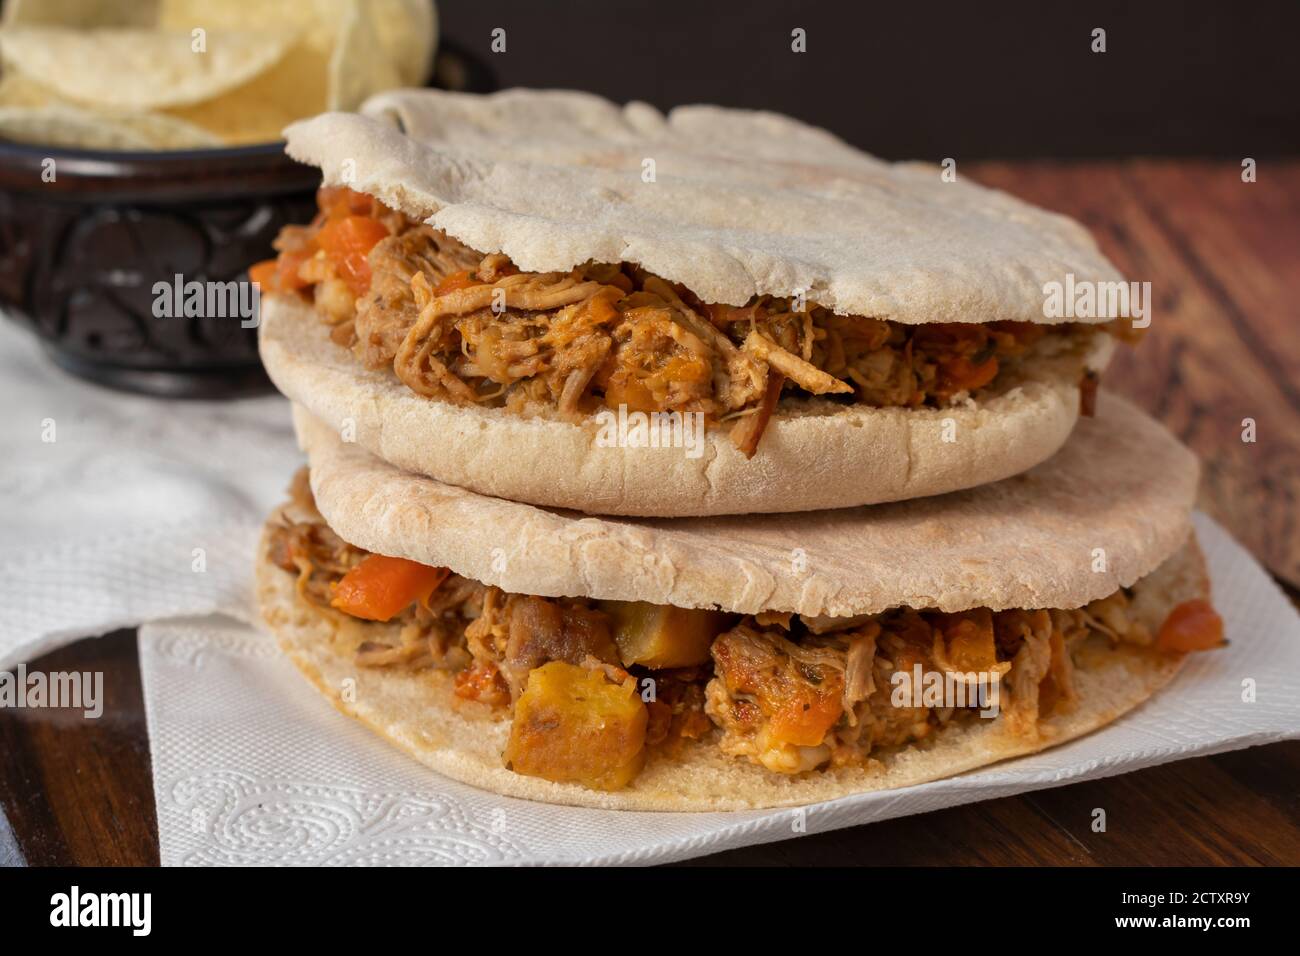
{"x":741,"y":203}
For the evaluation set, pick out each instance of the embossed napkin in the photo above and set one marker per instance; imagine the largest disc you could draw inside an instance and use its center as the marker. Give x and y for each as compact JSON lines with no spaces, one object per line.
{"x":140,"y":511}
{"x":252,"y":765}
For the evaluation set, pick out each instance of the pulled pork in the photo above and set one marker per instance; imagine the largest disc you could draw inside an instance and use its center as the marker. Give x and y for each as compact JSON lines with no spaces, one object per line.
{"x":464,"y":327}
{"x":789,"y":693}
{"x":826,"y":700}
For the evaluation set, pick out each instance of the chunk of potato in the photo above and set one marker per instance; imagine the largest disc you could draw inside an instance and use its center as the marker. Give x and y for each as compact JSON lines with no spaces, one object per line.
{"x":660,"y":636}
{"x":572,"y":725}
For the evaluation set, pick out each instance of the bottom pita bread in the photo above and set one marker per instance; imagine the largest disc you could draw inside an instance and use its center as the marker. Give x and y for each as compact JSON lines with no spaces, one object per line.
{"x":418,"y":713}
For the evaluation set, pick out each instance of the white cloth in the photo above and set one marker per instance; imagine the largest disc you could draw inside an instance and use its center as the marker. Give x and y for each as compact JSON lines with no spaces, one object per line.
{"x":99,"y":527}
{"x":251,"y":765}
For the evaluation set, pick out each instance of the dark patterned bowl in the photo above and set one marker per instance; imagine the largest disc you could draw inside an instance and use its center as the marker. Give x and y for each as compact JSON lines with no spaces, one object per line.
{"x":82,"y":250}
{"x":80,"y":255}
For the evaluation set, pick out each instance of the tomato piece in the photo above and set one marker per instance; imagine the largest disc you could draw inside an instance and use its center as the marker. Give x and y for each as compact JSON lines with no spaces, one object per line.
{"x":380,"y":587}
{"x":347,"y":242}
{"x":482,"y":682}
{"x":1192,"y":626}
{"x":457,"y":280}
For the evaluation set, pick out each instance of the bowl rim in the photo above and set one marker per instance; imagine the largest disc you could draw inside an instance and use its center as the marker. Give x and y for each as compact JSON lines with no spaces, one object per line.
{"x":115,"y":176}
{"x":16,"y":149}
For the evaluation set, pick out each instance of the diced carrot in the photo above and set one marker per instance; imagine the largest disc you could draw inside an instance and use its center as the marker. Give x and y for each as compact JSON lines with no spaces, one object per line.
{"x":336,"y":202}
{"x":805,"y":719}
{"x":1025,"y":333}
{"x":263,"y":273}
{"x":347,"y":242}
{"x":380,"y":587}
{"x":286,"y":270}
{"x":1192,"y":626}
{"x":623,"y":389}
{"x":722,"y":316}
{"x":457,"y":280}
{"x":957,"y":337}
{"x":600,"y":308}
{"x":963,"y":375}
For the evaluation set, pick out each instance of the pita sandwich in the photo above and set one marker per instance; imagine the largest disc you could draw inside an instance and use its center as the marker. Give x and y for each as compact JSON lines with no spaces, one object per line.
{"x":727,"y":663}
{"x":547,"y":297}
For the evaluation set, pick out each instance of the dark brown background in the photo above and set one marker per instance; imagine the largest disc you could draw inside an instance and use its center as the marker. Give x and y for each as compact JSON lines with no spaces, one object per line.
{"x":933,"y":79}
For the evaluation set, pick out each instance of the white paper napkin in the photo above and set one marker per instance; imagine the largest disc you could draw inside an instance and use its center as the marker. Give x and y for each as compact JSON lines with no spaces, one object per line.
{"x":99,"y":529}
{"x":117,"y":509}
{"x":252,"y":765}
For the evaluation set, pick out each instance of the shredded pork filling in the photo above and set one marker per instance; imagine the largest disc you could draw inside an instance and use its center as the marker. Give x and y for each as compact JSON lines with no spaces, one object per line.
{"x":792,"y":694}
{"x":457,"y":325}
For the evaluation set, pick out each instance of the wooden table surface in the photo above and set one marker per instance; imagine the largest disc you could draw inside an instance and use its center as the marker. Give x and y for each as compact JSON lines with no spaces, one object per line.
{"x":1223,"y":258}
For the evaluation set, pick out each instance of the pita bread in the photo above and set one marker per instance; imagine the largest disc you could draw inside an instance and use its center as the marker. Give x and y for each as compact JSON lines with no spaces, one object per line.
{"x":815,"y":454}
{"x":1120,"y":490}
{"x":731,"y":203}
{"x":419,"y":714}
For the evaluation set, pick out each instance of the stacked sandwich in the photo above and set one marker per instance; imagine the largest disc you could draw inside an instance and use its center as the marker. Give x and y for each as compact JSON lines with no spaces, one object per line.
{"x":702,"y":461}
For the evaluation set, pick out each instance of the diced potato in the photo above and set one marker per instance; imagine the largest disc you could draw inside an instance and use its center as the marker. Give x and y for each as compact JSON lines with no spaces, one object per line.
{"x":970,"y":642}
{"x":659,"y":636}
{"x":572,"y":725}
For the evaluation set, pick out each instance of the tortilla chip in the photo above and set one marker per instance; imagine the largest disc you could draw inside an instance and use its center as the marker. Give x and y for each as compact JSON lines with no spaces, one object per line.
{"x":73,"y":128}
{"x":85,"y":14}
{"x":408,"y":31}
{"x":315,"y":22}
{"x":18,"y":89}
{"x":31,"y":112}
{"x":262,"y":68}
{"x":257,"y":111}
{"x":133,"y":69}
{"x":340,"y":59}
{"x":359,"y":66}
